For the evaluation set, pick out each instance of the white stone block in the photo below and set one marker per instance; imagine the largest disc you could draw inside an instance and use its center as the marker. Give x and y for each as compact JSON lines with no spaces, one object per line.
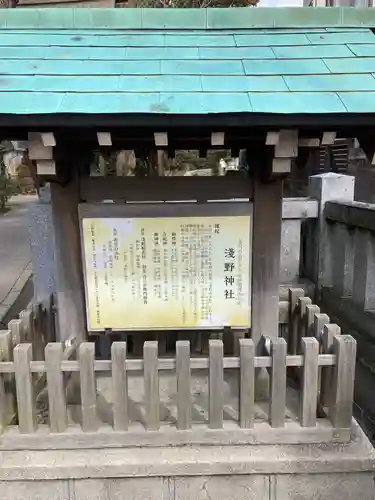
{"x":354,"y":486}
{"x":254,"y":487}
{"x":140,"y":488}
{"x":34,"y":490}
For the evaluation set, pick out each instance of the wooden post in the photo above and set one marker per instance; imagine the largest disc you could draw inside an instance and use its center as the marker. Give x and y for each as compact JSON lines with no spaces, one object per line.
{"x":183,"y":384}
{"x":303,"y":302}
{"x":67,"y":249}
{"x":326,"y":391}
{"x":267,"y":220}
{"x":16,"y":327}
{"x":24,"y":387}
{"x":151,"y":381}
{"x":341,"y":410}
{"x":320,"y":320}
{"x":278,"y":383}
{"x":7,"y":399}
{"x":310,"y":351}
{"x":266,"y":259}
{"x":293,"y":315}
{"x":6,"y":402}
{"x":247,"y":375}
{"x":58,"y":418}
{"x":120,"y":387}
{"x":311,"y":310}
{"x":86,"y":360}
{"x":216,"y":380}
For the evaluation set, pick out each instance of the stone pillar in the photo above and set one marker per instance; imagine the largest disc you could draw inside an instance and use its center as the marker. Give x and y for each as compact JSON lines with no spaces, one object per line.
{"x":319,"y":262}
{"x":39,"y":220}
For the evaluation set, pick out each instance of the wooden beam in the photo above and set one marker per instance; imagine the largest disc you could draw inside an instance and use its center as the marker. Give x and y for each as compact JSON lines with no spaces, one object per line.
{"x":161,"y":139}
{"x":67,"y":249}
{"x":48,"y":139}
{"x":165,"y":188}
{"x":266,"y":259}
{"x":217,"y":138}
{"x":104,"y":138}
{"x":328,"y":138}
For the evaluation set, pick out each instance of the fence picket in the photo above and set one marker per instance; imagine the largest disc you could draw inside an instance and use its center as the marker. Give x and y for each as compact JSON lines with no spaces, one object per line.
{"x":183,"y":384}
{"x":341,"y":411}
{"x":278,"y":382}
{"x":319,"y":321}
{"x":311,"y":311}
{"x":216,"y":380}
{"x":57,"y":410}
{"x":16,"y":327}
{"x":120,"y":387}
{"x":86,"y":358}
{"x":247,"y":375}
{"x":151,"y":381}
{"x":310,"y":350}
{"x":293,"y":317}
{"x":303,"y":302}
{"x":24,"y":387}
{"x":28,"y":329}
{"x":326,"y":391}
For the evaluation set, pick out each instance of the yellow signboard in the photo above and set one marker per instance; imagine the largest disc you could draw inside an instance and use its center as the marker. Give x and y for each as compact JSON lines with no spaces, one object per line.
{"x":167,"y":273}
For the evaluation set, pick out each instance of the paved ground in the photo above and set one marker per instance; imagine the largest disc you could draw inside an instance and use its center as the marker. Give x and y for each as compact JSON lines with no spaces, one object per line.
{"x":15,"y":266}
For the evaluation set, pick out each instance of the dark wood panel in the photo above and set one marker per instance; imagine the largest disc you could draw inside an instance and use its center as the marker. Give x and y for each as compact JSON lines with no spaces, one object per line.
{"x":164,"y":188}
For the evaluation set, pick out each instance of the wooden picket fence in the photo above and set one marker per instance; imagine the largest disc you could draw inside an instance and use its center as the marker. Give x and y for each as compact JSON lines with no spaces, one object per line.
{"x":35,"y":326}
{"x":315,"y":354}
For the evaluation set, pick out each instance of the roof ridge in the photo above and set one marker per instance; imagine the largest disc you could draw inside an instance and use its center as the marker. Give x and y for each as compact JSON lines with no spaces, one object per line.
{"x":188,"y":19}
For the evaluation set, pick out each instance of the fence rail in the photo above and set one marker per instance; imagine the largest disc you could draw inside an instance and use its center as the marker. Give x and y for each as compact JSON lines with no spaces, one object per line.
{"x":315,"y":355}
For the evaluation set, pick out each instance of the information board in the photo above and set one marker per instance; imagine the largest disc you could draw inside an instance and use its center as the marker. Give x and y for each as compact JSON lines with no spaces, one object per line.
{"x":167,"y":272}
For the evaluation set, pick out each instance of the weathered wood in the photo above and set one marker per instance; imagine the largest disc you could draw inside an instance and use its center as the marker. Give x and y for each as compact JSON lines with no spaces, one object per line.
{"x":136,"y":437}
{"x":6,"y":345}
{"x":247,"y":376}
{"x":16,"y":327}
{"x":293,"y":318}
{"x":57,"y":410}
{"x":7,"y":389}
{"x":343,"y":262}
{"x":278,"y":383}
{"x":24,"y":387}
{"x":303,"y":302}
{"x":86,"y":357}
{"x":38,"y":333}
{"x":216,"y":381}
{"x":310,"y":350}
{"x":326,"y":392}
{"x":120,"y":387}
{"x":266,"y":259}
{"x":300,"y":208}
{"x":151,"y":381}
{"x":170,"y":364}
{"x":183,"y":384}
{"x":341,"y":410}
{"x":26,"y":317}
{"x":320,"y":320}
{"x":67,"y":250}
{"x":164,"y":188}
{"x":311,"y":310}
{"x":3,"y":402}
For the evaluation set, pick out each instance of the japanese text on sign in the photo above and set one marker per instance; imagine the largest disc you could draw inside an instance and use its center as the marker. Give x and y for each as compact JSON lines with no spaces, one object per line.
{"x":172,"y":272}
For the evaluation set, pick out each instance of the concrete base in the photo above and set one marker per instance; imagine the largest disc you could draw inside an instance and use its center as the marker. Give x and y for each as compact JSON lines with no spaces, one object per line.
{"x":308,"y":472}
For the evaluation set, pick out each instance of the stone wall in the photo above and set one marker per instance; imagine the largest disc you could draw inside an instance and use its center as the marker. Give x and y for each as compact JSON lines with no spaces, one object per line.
{"x":253,"y":472}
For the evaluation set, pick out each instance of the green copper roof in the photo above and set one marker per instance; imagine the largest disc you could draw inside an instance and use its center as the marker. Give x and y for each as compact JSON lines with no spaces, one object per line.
{"x":187,"y":61}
